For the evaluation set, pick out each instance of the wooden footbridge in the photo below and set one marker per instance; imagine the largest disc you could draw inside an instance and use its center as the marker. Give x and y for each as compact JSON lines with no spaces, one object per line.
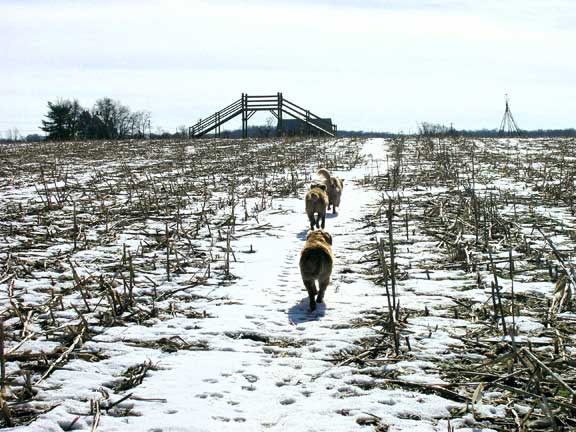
{"x":248,"y":105}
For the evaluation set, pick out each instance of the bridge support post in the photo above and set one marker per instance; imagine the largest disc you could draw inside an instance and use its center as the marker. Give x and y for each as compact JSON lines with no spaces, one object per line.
{"x":279,"y":129}
{"x":244,"y":115}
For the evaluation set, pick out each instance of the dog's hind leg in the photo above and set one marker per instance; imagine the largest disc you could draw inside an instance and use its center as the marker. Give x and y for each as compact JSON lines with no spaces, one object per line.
{"x":322,"y":284}
{"x":311,"y":288}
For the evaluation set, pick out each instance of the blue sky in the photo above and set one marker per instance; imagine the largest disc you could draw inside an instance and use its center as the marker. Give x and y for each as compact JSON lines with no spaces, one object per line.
{"x":371,"y":65}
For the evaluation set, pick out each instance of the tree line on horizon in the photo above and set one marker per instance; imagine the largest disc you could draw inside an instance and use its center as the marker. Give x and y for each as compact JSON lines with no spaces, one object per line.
{"x":108,"y":119}
{"x":67,"y":120}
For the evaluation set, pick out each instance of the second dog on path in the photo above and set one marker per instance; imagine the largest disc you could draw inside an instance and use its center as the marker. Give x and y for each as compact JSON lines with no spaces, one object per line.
{"x":316,"y":203}
{"x":334,"y":186}
{"x":316,"y":262}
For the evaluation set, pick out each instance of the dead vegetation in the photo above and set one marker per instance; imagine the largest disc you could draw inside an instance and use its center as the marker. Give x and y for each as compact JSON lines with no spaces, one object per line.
{"x":96,"y":235}
{"x":496,"y":217}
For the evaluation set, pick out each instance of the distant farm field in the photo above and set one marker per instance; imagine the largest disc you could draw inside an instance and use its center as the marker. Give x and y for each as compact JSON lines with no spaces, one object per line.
{"x":150,"y":285}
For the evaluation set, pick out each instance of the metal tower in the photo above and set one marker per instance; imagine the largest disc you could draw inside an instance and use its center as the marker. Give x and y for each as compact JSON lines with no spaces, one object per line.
{"x":508,"y":126}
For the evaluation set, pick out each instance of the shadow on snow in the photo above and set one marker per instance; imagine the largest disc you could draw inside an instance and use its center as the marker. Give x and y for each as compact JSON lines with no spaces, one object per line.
{"x":302,"y":234}
{"x":300,"y":312}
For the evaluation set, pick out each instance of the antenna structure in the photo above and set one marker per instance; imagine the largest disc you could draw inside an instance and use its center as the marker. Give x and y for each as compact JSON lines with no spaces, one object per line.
{"x":508,"y":126}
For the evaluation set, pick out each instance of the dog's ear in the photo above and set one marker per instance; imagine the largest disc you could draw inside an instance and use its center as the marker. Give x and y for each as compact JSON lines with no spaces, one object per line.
{"x":327,"y":237}
{"x":322,"y":186}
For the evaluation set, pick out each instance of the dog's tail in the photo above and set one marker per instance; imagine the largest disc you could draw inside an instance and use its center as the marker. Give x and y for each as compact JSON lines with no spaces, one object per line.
{"x":324,"y":173}
{"x":314,"y":262}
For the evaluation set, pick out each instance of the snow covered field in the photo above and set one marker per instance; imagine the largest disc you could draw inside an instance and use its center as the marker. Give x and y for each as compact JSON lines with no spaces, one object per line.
{"x":155,"y":287}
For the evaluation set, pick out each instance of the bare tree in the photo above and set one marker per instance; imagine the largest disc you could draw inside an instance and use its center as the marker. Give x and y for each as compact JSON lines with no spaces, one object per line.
{"x":122,"y":120}
{"x":105,"y":110}
{"x":182,"y":131}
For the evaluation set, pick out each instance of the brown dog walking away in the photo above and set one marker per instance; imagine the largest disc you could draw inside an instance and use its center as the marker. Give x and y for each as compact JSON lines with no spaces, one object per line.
{"x":316,"y":202}
{"x":334,"y":186}
{"x":316,"y":262}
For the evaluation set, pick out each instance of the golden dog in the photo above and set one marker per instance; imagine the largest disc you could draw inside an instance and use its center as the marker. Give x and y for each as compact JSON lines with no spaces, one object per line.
{"x":316,"y":203}
{"x":316,"y":261}
{"x":334,"y":186}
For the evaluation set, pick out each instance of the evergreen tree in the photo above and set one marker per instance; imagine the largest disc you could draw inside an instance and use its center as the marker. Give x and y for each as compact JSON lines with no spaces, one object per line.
{"x":58,"y":125}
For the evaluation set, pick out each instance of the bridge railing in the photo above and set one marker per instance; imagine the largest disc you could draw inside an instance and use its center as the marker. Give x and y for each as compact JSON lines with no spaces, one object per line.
{"x":249,"y":104}
{"x":210,"y":122}
{"x":308,"y":117}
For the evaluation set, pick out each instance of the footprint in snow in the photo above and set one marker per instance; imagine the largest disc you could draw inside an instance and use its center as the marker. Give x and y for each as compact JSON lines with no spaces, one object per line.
{"x":250,"y":378}
{"x":212,"y":395}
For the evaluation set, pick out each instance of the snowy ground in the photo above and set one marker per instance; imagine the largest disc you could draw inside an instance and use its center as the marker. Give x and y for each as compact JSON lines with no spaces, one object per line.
{"x":251,"y":357}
